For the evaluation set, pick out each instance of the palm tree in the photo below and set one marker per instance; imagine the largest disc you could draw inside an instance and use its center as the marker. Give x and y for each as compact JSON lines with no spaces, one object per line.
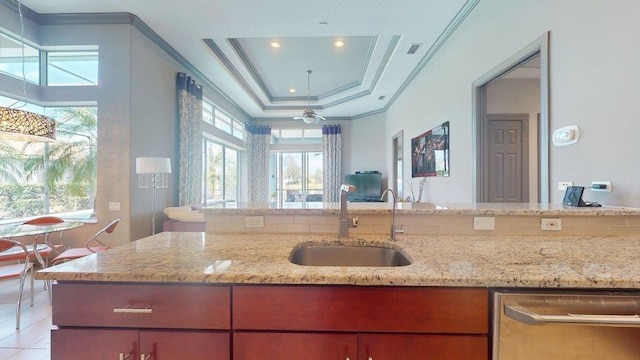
{"x":72,"y":158}
{"x":11,"y":162}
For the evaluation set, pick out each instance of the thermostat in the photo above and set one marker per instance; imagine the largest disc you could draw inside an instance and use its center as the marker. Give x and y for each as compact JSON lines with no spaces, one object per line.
{"x":566,"y":136}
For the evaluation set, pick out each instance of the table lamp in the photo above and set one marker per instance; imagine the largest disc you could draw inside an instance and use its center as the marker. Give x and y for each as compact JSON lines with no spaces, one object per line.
{"x":153,"y":173}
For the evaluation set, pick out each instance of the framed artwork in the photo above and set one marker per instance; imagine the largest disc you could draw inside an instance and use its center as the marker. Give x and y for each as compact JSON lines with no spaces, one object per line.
{"x":430,"y":152}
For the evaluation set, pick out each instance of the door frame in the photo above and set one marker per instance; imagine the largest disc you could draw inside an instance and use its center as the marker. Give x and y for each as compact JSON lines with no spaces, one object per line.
{"x":397,"y":142}
{"x":479,"y":116}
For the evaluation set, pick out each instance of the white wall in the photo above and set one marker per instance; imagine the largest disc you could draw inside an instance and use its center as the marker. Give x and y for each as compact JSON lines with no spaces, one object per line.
{"x":154,"y":129}
{"x":595,"y":84}
{"x":368,"y":146}
{"x":114,"y":109}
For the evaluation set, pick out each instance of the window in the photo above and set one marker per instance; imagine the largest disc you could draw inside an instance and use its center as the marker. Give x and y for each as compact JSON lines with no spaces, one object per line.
{"x":11,"y":56}
{"x":296,"y":165}
{"x":296,"y":136}
{"x":51,"y":178}
{"x":297,"y":176}
{"x":207,"y":112}
{"x":221,"y":154}
{"x":68,"y":68}
{"x":221,"y":120}
{"x":220,"y":172}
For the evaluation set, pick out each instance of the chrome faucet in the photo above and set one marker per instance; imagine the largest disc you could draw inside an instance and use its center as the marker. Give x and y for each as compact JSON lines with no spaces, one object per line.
{"x":346,"y":223}
{"x":394,"y":231}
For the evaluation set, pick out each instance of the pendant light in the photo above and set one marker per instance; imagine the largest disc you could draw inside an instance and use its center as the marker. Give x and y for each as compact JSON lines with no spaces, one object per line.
{"x":21,"y":125}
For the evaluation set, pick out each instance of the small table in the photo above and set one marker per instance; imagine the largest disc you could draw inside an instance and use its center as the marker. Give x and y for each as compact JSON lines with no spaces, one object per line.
{"x":38,"y":251}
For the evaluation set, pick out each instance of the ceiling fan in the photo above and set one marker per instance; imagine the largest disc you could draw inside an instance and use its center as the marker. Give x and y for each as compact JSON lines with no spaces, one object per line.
{"x":309,"y":116}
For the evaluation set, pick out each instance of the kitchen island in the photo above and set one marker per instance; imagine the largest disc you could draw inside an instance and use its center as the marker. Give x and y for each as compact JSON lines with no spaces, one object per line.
{"x":239,"y":297}
{"x":468,"y":261}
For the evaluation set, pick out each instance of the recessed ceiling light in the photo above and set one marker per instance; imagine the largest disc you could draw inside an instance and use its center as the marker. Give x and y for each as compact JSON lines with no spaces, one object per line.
{"x":275,"y":44}
{"x":339,"y":43}
{"x":292,"y":90}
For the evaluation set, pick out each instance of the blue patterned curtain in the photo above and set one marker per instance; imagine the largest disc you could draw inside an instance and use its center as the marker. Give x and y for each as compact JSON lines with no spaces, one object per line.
{"x":258,"y":145}
{"x":332,"y":164}
{"x":190,"y":120}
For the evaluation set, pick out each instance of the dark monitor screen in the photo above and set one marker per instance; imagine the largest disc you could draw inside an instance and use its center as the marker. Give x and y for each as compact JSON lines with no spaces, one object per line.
{"x":573,"y":196}
{"x":368,"y":186}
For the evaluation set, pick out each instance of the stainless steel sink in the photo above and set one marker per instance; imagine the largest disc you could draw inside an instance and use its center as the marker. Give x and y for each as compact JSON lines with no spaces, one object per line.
{"x":347,"y":255}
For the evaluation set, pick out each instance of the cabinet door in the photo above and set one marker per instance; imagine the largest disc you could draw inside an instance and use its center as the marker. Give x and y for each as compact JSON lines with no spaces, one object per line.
{"x":171,"y":344}
{"x":96,"y":344}
{"x":278,"y":346}
{"x":422,"y":347}
{"x":359,"y":309}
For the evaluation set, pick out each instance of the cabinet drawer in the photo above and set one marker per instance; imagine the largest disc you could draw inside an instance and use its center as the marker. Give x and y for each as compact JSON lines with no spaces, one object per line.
{"x":141,"y":306}
{"x":360,"y":309}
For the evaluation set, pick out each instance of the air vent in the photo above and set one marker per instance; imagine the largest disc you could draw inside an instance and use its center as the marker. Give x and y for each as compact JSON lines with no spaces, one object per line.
{"x":413,"y":48}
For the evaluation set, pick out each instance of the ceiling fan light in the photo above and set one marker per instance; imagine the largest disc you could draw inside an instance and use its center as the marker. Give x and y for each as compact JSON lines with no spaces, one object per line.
{"x":308,"y":119}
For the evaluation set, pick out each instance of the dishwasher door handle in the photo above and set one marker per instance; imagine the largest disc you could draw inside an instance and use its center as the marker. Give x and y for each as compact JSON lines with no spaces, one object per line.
{"x":524,"y":315}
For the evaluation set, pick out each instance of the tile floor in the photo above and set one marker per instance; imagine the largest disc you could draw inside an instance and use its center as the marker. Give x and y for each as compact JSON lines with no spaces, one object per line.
{"x":32,"y":340}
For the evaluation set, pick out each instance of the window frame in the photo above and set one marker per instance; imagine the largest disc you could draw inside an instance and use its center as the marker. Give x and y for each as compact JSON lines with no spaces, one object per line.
{"x":45,"y":79}
{"x":39,"y":178}
{"x":223,"y":180}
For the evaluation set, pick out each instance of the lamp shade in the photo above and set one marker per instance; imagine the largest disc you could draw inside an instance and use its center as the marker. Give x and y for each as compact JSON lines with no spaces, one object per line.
{"x":21,"y":125}
{"x":153,"y":165}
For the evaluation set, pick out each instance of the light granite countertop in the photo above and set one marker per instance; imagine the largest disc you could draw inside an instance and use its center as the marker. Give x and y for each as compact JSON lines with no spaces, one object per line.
{"x":475,"y":261}
{"x":381,"y":208}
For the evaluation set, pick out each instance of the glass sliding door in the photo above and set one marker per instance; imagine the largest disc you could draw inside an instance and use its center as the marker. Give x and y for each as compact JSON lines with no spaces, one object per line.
{"x":298,"y":176}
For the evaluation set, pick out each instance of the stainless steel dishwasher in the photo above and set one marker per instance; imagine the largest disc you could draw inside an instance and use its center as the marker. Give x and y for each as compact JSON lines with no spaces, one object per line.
{"x":567,"y":325}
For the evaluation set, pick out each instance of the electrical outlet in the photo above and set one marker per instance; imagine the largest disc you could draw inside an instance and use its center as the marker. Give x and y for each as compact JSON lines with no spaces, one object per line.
{"x":551,"y":224}
{"x":484,"y":223}
{"x":114,"y":206}
{"x":254,"y":221}
{"x":601,"y":186}
{"x":562,"y":185}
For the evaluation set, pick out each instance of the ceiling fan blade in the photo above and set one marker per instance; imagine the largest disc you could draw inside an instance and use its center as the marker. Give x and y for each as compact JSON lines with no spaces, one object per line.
{"x":297,"y":118}
{"x":319,"y":117}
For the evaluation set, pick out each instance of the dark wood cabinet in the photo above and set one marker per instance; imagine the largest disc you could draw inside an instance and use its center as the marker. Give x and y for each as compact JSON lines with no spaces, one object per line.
{"x":327,"y":322}
{"x":140,"y":321}
{"x":111,"y":344}
{"x":422,"y":347}
{"x":277,"y":345}
{"x":94,"y":320}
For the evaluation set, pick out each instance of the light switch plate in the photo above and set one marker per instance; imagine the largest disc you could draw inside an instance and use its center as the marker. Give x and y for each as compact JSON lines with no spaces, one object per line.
{"x":484,"y":223}
{"x":114,"y":206}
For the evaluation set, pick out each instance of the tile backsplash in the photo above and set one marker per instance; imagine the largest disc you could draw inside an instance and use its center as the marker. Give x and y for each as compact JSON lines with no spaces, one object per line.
{"x":429,"y":224}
